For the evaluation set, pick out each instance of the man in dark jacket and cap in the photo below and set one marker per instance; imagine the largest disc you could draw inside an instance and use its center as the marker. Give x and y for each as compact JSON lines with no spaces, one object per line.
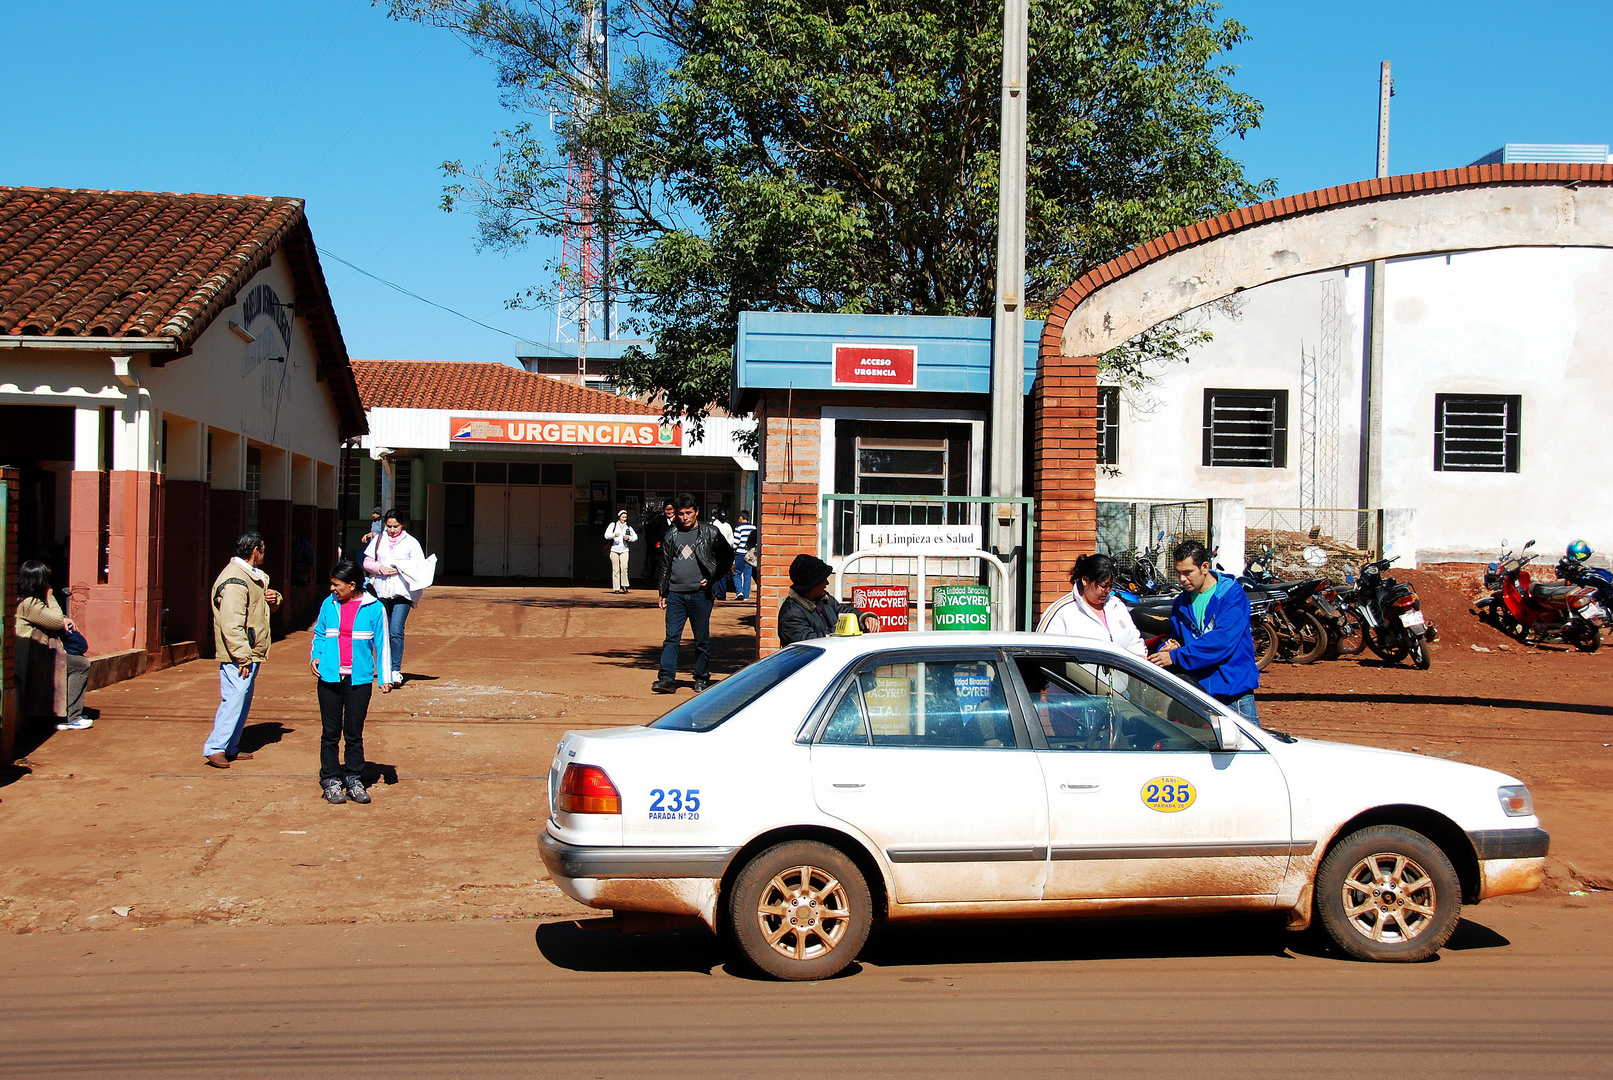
{"x":808,"y":610}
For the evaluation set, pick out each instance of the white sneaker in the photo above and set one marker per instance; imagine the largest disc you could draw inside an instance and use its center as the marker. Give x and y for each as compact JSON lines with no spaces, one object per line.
{"x":397,"y":678}
{"x":77,"y":725}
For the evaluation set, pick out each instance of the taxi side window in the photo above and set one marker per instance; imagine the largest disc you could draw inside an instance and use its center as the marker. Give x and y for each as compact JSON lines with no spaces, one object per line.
{"x":1097,"y":707}
{"x":930,"y":703}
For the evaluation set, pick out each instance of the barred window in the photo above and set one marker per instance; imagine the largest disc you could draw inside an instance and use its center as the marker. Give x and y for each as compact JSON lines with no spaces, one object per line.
{"x":1108,"y":425}
{"x":1476,"y":433}
{"x":350,"y":485}
{"x":403,"y":487}
{"x":1246,"y":428}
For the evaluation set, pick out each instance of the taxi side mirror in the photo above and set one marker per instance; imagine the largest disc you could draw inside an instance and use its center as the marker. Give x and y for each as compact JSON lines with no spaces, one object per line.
{"x":1228,"y":733}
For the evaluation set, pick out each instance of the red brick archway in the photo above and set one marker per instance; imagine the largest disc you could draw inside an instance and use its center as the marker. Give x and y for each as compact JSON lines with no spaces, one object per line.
{"x":1484,"y":206}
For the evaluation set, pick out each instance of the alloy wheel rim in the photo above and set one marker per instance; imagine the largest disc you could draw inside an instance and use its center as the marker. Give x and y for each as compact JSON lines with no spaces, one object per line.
{"x":804,"y":913}
{"x":1389,"y":898}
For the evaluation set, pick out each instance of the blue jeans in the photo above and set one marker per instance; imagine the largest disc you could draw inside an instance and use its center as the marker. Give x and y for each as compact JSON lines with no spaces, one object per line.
{"x":1243,"y":705}
{"x":235,"y":694}
{"x":693,"y":608}
{"x":741,"y":577}
{"x":397,"y":613}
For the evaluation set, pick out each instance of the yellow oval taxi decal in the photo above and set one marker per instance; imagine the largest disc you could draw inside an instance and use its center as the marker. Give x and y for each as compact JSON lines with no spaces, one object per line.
{"x":1168,"y":794}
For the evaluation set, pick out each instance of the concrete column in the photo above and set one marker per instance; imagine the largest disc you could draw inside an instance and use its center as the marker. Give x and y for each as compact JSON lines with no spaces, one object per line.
{"x":134,"y":433}
{"x":1227,"y":523}
{"x":304,"y":481}
{"x":226,"y":513}
{"x":229,"y":460}
{"x":325,"y":493}
{"x":275,"y":482}
{"x":187,"y":449}
{"x":88,"y":454}
{"x":1399,"y":536}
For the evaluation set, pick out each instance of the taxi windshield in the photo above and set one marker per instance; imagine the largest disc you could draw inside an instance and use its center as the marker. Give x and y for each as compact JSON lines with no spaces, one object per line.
{"x":705,"y":711}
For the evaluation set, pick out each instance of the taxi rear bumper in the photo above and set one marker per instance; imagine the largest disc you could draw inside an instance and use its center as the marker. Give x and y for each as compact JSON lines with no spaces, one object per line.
{"x":578,"y":861}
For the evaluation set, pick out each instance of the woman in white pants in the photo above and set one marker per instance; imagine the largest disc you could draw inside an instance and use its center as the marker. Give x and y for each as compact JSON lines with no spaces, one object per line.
{"x":620,"y":534}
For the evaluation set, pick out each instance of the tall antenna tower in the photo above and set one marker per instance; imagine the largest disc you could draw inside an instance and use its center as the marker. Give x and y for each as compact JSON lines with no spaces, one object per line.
{"x":585,"y":304}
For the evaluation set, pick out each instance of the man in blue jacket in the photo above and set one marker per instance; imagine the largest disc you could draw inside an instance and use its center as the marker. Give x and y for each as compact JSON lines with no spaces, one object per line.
{"x":1213,"y":646}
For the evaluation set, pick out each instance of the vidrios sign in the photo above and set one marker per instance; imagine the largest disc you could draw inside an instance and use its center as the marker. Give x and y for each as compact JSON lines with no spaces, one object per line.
{"x":961,"y":607}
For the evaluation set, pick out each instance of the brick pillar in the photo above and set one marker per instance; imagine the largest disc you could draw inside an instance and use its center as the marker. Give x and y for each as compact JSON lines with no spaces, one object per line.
{"x":274,"y":522}
{"x":124,"y":611}
{"x":187,"y":565}
{"x":8,"y":598}
{"x":788,"y":514}
{"x":226,"y":516}
{"x":1064,"y":462}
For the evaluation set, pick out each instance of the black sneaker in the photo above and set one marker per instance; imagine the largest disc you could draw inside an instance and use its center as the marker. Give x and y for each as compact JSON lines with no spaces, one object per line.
{"x":333,"y":791}
{"x":702,"y":685}
{"x":355,"y":790}
{"x":664,"y":686}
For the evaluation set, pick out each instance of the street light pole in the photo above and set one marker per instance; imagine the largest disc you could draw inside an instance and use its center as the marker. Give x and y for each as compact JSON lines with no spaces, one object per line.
{"x":1008,"y":325}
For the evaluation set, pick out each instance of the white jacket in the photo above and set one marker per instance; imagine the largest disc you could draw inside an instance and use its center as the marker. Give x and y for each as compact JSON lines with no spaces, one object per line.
{"x":620,"y":533}
{"x":414,"y":571}
{"x":1074,"y":617}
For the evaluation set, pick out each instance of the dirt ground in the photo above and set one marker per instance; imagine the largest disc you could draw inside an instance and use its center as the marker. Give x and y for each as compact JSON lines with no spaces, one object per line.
{"x":123,"y":826}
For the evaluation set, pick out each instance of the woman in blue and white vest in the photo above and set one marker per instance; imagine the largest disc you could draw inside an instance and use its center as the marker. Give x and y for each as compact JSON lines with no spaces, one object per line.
{"x":351,"y":653}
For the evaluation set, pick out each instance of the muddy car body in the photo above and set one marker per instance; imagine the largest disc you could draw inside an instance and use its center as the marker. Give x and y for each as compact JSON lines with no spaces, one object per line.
{"x":998,"y":775}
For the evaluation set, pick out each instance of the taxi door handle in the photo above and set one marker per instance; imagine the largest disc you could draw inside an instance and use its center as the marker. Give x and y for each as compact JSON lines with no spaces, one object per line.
{"x":851,"y":787}
{"x":1080,"y":787}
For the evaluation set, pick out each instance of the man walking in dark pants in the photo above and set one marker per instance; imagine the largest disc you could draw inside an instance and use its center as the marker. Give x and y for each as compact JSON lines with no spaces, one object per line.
{"x":694,"y":555}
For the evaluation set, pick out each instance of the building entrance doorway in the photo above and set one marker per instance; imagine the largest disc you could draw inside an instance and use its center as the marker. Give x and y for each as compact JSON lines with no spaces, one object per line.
{"x":522,"y":532}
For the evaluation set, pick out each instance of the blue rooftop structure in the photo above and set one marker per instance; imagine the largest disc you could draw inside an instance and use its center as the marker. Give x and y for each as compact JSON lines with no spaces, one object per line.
{"x":950,"y":355}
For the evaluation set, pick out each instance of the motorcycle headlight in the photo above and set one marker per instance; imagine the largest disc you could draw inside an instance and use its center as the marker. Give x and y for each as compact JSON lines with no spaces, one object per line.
{"x":1515,"y":800}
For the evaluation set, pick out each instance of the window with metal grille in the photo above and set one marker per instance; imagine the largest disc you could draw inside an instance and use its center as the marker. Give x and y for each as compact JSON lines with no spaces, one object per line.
{"x":351,"y":489}
{"x":1476,"y":433}
{"x":1246,"y":428}
{"x":1108,"y":425}
{"x":403,"y":487}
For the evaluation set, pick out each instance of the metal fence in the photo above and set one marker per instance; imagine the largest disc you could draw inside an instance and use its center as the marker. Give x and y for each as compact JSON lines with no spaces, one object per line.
{"x":838,"y":537}
{"x":1329,"y":543}
{"x":1131,"y":526}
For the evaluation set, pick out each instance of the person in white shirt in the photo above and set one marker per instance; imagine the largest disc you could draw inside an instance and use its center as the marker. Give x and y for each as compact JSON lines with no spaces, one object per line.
{"x":399,"y":572}
{"x":1091,"y":610}
{"x":620,"y":534}
{"x":719,"y":518}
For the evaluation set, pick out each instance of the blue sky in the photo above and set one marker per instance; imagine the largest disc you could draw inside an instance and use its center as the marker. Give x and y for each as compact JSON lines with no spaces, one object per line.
{"x":330,"y":101}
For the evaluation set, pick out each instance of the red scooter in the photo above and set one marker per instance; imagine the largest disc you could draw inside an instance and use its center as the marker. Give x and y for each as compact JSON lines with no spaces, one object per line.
{"x":1519,"y":607}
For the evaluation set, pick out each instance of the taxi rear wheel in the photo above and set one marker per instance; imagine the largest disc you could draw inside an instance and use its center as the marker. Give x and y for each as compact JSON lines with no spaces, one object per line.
{"x":1389,"y":894}
{"x":800,"y":910}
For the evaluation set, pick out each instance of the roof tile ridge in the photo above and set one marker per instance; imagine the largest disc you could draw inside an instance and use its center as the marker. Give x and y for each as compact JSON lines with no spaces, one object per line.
{"x":244,"y":246}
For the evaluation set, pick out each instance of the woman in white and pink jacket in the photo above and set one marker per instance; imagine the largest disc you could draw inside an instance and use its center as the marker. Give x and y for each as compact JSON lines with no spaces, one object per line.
{"x":399,"y":573}
{"x":1091,"y":610}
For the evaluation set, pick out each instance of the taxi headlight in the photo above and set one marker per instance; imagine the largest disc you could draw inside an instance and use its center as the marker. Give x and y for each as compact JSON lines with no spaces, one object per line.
{"x":1515,"y":800}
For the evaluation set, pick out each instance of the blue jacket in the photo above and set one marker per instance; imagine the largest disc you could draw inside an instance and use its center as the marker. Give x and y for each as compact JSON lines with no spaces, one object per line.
{"x":1220,"y":655}
{"x":372,"y":645}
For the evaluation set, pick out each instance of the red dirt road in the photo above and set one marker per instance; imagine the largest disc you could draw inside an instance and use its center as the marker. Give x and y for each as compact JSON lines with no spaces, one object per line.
{"x":1522,"y":991}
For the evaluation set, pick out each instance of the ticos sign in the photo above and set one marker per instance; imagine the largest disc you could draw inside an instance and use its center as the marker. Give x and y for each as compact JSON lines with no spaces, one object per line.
{"x":889,"y":602}
{"x":890,"y":366}
{"x":465,"y":429}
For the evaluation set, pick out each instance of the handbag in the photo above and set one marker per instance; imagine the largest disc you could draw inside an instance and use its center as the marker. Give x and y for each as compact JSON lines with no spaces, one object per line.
{"x":750,"y":557}
{"x":75,"y":643}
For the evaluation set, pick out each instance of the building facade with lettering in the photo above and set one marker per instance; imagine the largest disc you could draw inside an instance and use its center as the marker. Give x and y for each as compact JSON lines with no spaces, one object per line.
{"x":171,"y":375}
{"x":503,"y":473}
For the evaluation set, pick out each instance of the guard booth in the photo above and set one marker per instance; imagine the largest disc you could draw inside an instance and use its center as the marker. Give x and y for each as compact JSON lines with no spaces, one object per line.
{"x":872,"y":454}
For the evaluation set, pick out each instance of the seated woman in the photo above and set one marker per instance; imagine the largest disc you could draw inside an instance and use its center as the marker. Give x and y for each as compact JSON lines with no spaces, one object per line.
{"x":808,"y":610}
{"x":50,"y":681}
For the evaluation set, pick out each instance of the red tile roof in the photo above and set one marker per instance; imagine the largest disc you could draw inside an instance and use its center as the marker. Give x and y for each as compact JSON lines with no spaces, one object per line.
{"x":140,"y":264}
{"x":481,"y":387}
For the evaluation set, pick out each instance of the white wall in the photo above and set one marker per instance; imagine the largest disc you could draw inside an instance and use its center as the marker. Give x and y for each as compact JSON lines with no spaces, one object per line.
{"x":1537,"y":322}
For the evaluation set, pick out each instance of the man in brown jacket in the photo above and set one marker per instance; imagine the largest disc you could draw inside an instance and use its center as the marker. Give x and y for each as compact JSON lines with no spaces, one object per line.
{"x":241,"y":602}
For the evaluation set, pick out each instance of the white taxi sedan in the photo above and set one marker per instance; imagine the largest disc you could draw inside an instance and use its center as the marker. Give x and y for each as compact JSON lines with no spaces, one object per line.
{"x":989,"y":775}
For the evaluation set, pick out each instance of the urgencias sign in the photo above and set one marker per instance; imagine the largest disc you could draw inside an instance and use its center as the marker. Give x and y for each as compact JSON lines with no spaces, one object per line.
{"x":463,"y":429}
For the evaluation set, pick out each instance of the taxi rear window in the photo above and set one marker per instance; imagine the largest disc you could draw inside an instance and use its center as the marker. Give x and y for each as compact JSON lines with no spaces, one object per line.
{"x":705,"y":711}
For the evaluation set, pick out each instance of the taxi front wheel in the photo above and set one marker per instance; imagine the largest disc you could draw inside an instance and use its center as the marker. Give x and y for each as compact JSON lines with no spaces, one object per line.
{"x":800,"y":910}
{"x":1387,"y":893}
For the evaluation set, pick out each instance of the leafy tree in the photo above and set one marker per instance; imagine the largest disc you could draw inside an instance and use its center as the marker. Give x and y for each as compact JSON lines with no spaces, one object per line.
{"x":841,"y":155}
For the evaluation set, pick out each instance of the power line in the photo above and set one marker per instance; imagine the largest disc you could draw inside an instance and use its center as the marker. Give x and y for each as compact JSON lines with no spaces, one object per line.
{"x":327,"y":253}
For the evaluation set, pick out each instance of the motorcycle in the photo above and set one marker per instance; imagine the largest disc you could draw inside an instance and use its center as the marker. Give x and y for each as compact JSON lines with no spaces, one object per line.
{"x":1300,"y":616}
{"x":1392,"y":616}
{"x":1522,"y":608}
{"x":1595,"y":578}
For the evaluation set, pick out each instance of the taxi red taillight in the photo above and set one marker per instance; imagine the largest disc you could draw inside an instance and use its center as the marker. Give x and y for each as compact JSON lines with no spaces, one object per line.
{"x":585,"y":789}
